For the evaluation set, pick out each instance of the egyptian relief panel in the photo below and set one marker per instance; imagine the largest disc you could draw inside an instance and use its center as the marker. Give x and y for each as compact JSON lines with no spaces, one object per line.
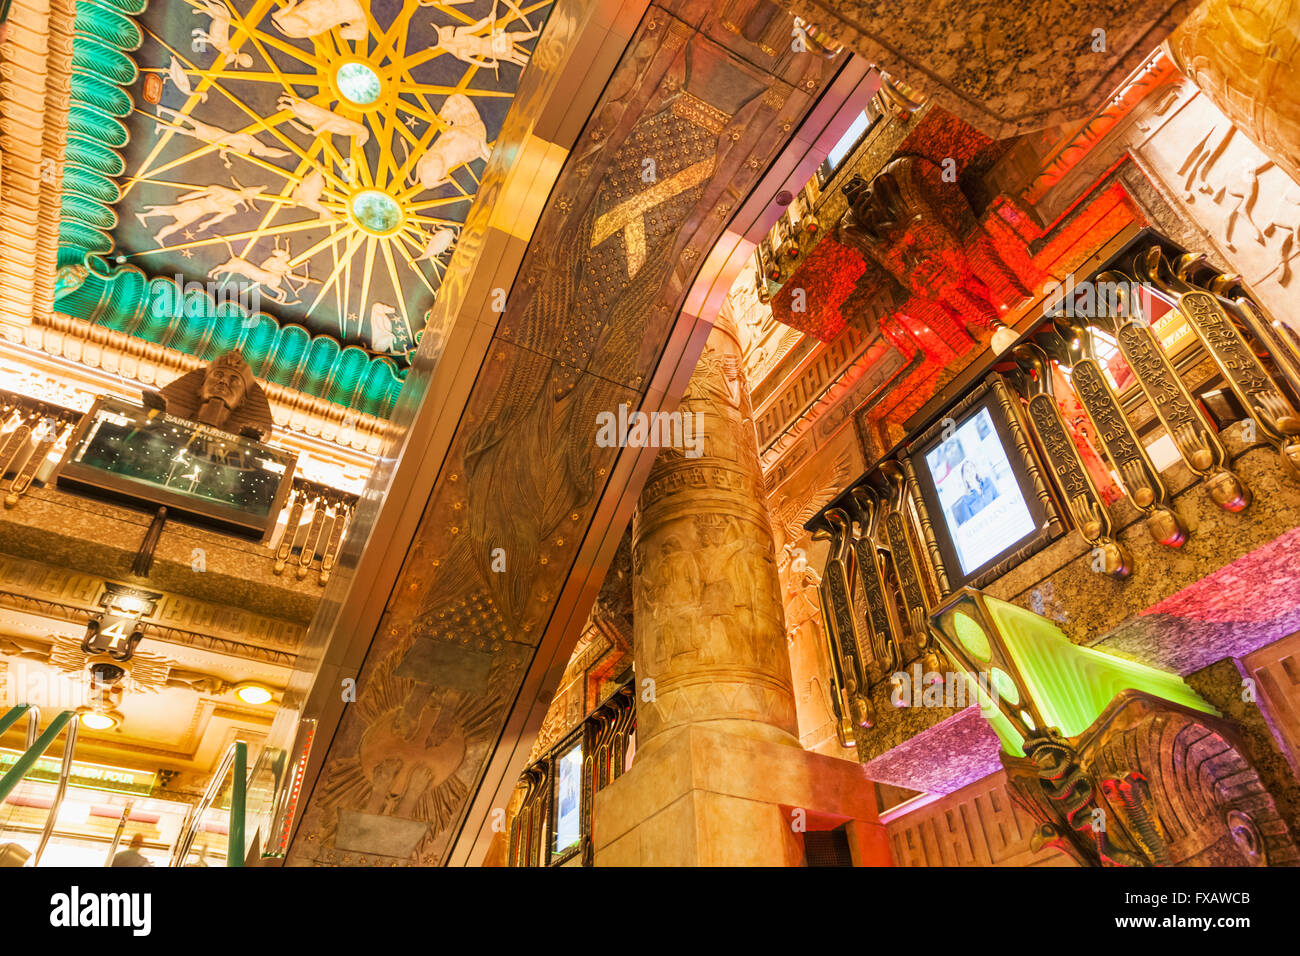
{"x":1213,"y":175}
{"x":582,"y":332}
{"x":979,"y":825}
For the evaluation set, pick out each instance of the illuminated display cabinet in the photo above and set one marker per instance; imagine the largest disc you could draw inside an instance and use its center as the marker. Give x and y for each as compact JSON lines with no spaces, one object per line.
{"x":150,"y":459}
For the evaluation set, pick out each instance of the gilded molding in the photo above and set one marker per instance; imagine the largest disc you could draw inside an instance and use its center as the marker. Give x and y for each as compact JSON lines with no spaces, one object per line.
{"x":35,"y":79}
{"x":117,"y":353}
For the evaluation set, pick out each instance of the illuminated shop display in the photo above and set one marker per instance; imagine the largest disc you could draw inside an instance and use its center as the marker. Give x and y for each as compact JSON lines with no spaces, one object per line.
{"x":1036,"y":677}
{"x":86,"y":776}
{"x":153,"y":459}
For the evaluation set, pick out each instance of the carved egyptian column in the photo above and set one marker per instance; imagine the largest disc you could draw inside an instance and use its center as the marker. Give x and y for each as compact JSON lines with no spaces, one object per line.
{"x":708,"y":618}
{"x":1244,"y":56}
{"x":718,"y":770}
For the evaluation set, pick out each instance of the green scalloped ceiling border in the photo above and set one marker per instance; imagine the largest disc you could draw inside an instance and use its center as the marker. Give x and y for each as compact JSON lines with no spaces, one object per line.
{"x":123,"y":297}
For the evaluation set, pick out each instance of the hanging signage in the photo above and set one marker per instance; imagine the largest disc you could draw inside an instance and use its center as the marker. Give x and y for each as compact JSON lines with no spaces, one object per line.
{"x":85,"y":775}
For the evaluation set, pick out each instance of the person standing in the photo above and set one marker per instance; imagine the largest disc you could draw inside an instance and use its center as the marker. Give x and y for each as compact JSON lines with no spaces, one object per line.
{"x":132,"y":856}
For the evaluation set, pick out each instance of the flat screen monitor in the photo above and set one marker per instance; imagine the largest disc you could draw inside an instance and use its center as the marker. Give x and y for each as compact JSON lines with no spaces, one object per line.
{"x":978,"y":490}
{"x":150,"y":459}
{"x":566,"y":821}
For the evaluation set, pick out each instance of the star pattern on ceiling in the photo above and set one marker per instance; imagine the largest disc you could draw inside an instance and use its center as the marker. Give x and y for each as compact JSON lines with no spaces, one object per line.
{"x":318,"y":156}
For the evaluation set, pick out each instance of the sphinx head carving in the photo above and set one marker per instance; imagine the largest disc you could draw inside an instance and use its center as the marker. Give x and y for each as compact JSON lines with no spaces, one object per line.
{"x":223,"y":394}
{"x":225,"y":383}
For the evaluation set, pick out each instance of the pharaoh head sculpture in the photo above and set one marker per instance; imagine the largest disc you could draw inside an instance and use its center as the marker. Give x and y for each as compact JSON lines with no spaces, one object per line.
{"x":225,"y":383}
{"x":223,"y":394}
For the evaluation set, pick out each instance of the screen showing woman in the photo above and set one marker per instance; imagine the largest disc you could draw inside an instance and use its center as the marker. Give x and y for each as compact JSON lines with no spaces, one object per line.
{"x":983,"y":507}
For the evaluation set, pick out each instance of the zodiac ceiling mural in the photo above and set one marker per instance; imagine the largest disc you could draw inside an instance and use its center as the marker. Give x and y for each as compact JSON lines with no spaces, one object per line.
{"x":320,"y":152}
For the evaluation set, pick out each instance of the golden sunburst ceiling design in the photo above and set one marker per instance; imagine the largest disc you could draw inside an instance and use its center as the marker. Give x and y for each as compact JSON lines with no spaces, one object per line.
{"x":321,"y":154}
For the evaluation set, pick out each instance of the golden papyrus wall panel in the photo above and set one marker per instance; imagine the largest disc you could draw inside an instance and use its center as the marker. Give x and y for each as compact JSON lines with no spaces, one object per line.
{"x":583,"y":331}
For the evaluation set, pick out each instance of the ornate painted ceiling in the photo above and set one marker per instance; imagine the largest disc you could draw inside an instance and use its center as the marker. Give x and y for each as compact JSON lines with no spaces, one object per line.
{"x":284,"y":177}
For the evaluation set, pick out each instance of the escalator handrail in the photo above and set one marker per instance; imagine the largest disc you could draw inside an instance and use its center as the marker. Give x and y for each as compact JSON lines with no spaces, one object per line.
{"x":235,"y":847}
{"x":33,"y":753}
{"x":65,"y":771}
{"x":33,"y":721}
{"x":237,"y":749}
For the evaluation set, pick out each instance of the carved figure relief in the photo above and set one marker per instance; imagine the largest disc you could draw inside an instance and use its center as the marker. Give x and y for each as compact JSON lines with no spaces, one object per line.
{"x":387,"y":334}
{"x":308,"y":193}
{"x":490,"y":50}
{"x":913,"y":232}
{"x":462,"y":141}
{"x":275,"y":273}
{"x":181,"y":80}
{"x":318,"y":121}
{"x":440,"y":241}
{"x":311,"y":18}
{"x":222,"y":140}
{"x":1213,"y":811}
{"x":1241,"y":196}
{"x":222,"y":394}
{"x":322,"y":120}
{"x":410,"y":761}
{"x":201,"y":208}
{"x":217,"y":35}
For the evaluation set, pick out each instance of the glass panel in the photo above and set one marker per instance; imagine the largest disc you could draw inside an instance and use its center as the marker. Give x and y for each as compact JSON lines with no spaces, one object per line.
{"x":159,"y":459}
{"x":850,"y":138}
{"x":566,"y":816}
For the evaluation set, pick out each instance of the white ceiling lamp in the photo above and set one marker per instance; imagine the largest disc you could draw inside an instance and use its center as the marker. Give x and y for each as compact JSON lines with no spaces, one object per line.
{"x":251,"y":693}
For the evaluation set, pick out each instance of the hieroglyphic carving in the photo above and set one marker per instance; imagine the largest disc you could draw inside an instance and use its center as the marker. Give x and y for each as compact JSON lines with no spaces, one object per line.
{"x":796,"y":397}
{"x":1085,"y":502}
{"x":177,"y":614}
{"x":1280,"y":340}
{"x":1140,"y":478}
{"x":906,"y":556}
{"x":36,"y":63}
{"x":1213,"y":810}
{"x":839,"y":595}
{"x":1244,"y":59}
{"x":909,"y":581}
{"x":848,"y":668}
{"x":1192,"y":433}
{"x":880,"y":624}
{"x":1246,"y":375}
{"x":708,"y":619}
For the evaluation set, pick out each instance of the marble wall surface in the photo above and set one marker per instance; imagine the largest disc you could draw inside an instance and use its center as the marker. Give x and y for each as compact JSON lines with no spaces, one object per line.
{"x":1002,"y":66}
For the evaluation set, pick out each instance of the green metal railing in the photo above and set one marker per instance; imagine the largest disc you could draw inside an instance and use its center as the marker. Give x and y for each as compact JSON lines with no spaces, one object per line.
{"x":271,"y":804}
{"x":33,"y":720}
{"x":35,"y":751}
{"x":238,"y":803}
{"x":233,"y":762}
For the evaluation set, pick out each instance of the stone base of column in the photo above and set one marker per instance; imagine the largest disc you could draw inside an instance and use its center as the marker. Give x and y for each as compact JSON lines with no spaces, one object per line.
{"x":705,"y":797}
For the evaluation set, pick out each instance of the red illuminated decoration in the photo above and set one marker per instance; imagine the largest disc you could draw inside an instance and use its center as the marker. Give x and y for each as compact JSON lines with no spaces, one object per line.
{"x":153,"y":88}
{"x":913,"y":258}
